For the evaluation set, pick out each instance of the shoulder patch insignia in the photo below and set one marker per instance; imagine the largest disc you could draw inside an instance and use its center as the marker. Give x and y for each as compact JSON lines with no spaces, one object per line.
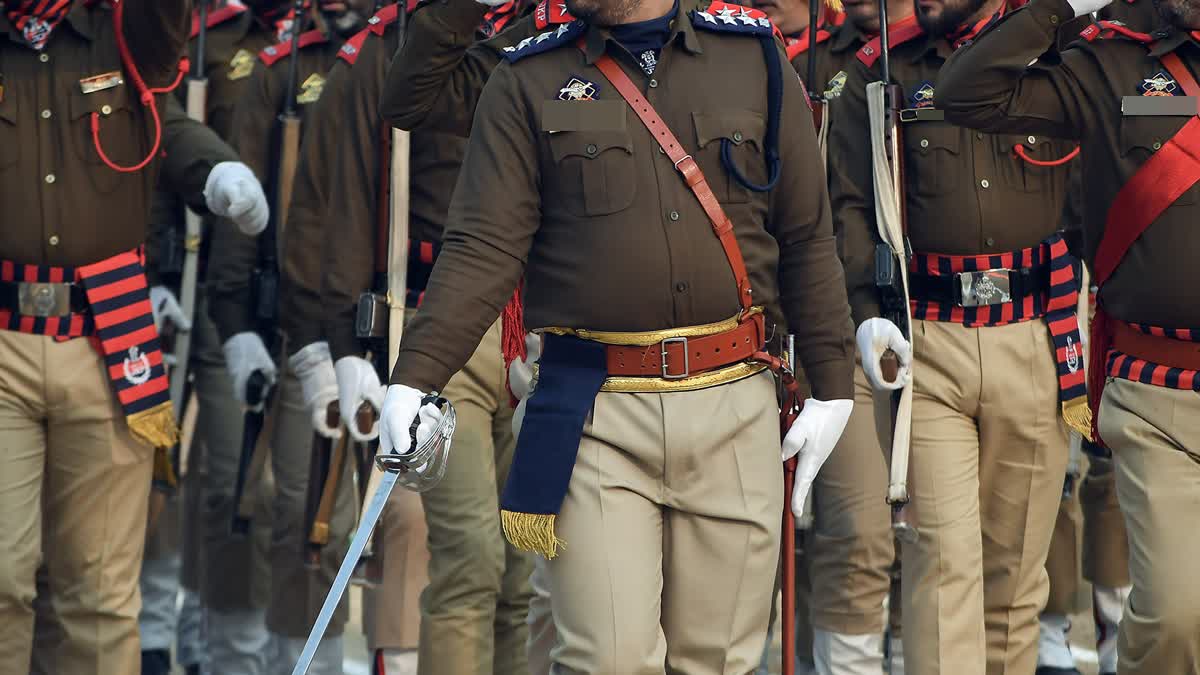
{"x":1160,"y":84}
{"x":551,"y":13}
{"x":384,"y":18}
{"x":310,"y":90}
{"x":241,"y":65}
{"x":578,"y":89}
{"x":1108,"y":30}
{"x":922,"y":96}
{"x":545,"y":41}
{"x":216,"y":17}
{"x":722,"y":17}
{"x":350,"y":49}
{"x":899,"y":33}
{"x":836,"y":84}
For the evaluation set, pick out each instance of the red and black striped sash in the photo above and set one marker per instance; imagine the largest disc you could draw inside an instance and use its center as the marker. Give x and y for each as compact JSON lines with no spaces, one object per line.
{"x":36,"y":19}
{"x":1058,"y":308}
{"x":121,"y":322}
{"x":1127,"y":367}
{"x":421,"y":256}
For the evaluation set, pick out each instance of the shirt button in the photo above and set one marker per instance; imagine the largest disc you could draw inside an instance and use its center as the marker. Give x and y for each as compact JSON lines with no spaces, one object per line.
{"x":1054,"y":19}
{"x":985,"y":183}
{"x":50,"y":178}
{"x":106,"y":110}
{"x":54,"y":240}
{"x":990,"y":242}
{"x":46,"y":114}
{"x":681,"y":287}
{"x":737,"y":137}
{"x":924,"y":142}
{"x":979,"y":136}
{"x":1157,"y":145}
{"x":653,"y":84}
{"x":674,"y":215}
{"x":44,"y":57}
{"x":591,"y":149}
{"x":1032,"y":140}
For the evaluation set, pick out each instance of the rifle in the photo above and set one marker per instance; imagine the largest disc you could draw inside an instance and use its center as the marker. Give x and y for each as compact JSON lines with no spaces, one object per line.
{"x":891,"y":260}
{"x":264,"y":280}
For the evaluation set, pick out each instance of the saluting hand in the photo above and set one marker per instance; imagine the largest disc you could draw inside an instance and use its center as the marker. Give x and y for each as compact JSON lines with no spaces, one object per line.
{"x":875,"y":337}
{"x":233,"y":192}
{"x":1082,"y":7}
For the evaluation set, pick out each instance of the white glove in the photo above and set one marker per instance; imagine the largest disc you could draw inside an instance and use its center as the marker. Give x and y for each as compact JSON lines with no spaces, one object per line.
{"x":401,"y":406}
{"x":520,"y":379}
{"x":1082,"y":7}
{"x":165,"y":307}
{"x":245,"y":353}
{"x":233,"y":192}
{"x":812,"y":437}
{"x":314,"y":367}
{"x":358,"y":383}
{"x":876,"y":336}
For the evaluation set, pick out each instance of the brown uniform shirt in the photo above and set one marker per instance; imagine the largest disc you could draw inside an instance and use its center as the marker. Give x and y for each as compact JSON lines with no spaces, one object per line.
{"x":832,"y":58}
{"x":988,"y":86}
{"x":577,"y":196}
{"x":233,"y":254}
{"x":60,"y":204}
{"x":230,"y":53}
{"x":967,"y":194}
{"x":354,"y":187}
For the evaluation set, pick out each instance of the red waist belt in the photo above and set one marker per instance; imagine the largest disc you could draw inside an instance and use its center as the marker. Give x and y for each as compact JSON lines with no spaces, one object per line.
{"x":677,"y":358}
{"x":119,"y":320}
{"x":1164,"y":357}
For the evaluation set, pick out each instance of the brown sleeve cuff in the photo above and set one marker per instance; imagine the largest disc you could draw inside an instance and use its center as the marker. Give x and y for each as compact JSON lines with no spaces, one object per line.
{"x":831,"y":380}
{"x":420,"y":371}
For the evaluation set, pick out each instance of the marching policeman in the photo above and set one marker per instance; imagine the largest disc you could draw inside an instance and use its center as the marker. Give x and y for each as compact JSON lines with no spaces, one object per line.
{"x":1129,"y":97}
{"x":647,"y":445}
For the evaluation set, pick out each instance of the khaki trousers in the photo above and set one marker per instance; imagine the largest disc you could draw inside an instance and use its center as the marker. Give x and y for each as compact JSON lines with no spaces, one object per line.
{"x":473,"y":610}
{"x":989,"y":452}
{"x":851,"y":546}
{"x":1065,"y":559}
{"x":73,"y":492}
{"x":392,"y":610}
{"x":671,"y":524}
{"x":1105,"y":545}
{"x":1154,"y":434}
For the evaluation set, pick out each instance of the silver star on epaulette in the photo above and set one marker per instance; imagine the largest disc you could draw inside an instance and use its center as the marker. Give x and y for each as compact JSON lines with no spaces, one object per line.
{"x":726,"y":16}
{"x":706,"y":16}
{"x":745,"y":18}
{"x":544,"y":36}
{"x":562,"y":30}
{"x":510,"y":49}
{"x":764,"y":22}
{"x":562,"y":8}
{"x":525,"y":43}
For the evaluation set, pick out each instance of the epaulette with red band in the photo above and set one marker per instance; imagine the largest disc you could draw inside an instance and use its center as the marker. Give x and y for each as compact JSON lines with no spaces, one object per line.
{"x":384,"y":18}
{"x":1107,"y":30}
{"x":550,"y":13}
{"x":272,"y":55}
{"x":350,"y":49}
{"x":899,"y":33}
{"x":723,"y":17}
{"x":796,"y":46}
{"x":217,"y":16}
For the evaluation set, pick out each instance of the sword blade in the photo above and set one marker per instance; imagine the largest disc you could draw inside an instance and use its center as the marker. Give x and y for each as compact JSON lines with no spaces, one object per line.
{"x":365,"y":527}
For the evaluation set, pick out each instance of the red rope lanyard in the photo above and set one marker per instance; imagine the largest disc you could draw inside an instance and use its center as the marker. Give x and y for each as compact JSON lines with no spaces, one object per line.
{"x":1023,"y":154}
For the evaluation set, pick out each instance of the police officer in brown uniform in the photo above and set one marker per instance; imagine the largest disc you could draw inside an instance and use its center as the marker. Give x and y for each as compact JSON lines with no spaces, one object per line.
{"x":1129,"y":98}
{"x":614,"y":425}
{"x":82,"y":415}
{"x":295,"y":591}
{"x":989,"y":442}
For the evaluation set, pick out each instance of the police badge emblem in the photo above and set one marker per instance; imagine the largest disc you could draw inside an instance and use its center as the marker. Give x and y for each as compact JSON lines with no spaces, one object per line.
{"x":835,"y":86}
{"x":136,"y":367}
{"x":1072,"y":355}
{"x":241,"y":65}
{"x":577,"y":89}
{"x":923,"y":96}
{"x":1160,"y":84}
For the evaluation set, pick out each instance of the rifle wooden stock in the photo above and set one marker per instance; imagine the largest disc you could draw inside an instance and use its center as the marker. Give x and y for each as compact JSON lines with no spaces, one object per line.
{"x":285,"y":166}
{"x":369,"y":571}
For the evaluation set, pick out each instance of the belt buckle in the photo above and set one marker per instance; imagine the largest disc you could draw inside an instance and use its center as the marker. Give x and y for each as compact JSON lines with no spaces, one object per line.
{"x":988,"y":287}
{"x":687,"y":365}
{"x":43,"y":300}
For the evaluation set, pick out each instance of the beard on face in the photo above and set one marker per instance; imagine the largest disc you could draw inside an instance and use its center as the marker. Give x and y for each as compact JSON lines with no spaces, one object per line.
{"x":946,"y":16}
{"x":602,"y":12}
{"x":347,"y":23}
{"x":1180,"y":13}
{"x":864,"y":15}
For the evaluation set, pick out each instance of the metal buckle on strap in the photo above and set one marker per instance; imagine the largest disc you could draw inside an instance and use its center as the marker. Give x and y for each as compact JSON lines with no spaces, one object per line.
{"x":43,"y":300}
{"x":988,"y":287}
{"x":687,"y":364}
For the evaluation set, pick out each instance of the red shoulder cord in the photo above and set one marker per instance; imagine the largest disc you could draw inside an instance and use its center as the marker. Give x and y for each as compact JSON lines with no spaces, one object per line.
{"x":145,"y":93}
{"x":1020,"y":152}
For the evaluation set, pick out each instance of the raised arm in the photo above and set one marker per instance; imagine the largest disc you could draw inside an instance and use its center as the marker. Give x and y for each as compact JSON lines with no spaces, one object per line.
{"x":157,"y":31}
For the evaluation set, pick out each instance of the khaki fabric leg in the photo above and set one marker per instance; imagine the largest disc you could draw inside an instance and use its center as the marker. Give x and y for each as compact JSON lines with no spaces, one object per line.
{"x":1064,"y":562}
{"x":542,"y":635}
{"x":1154,"y":434}
{"x":192,"y":495}
{"x":516,"y":592}
{"x":852,"y":548}
{"x":1024,"y":448}
{"x":942,"y":573}
{"x":297,"y":592}
{"x":97,"y":484}
{"x":1105,"y":544}
{"x":392,"y":611}
{"x":804,"y":604}
{"x":461,"y":606}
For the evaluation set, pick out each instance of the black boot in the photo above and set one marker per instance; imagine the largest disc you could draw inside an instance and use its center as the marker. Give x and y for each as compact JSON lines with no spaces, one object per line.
{"x":156,"y":662}
{"x":193,"y":669}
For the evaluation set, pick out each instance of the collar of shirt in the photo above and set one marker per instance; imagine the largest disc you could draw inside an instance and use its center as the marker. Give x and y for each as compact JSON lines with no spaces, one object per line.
{"x":642,"y":37}
{"x":1167,"y":40}
{"x":847,"y":37}
{"x":966,"y":33}
{"x":79,"y":18}
{"x":597,"y":37}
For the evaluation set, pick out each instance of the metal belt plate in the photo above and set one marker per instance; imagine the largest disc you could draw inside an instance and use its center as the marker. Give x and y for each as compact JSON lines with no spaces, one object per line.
{"x":989,"y":287}
{"x":43,"y":300}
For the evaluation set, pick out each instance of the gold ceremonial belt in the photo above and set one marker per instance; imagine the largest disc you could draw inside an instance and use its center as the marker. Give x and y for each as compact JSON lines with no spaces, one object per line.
{"x":651,"y":385}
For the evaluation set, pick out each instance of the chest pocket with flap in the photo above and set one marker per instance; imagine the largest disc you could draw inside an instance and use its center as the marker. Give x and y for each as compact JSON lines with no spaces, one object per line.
{"x":123,"y":138}
{"x":744,"y":129}
{"x":1022,"y":175}
{"x":594,"y":170}
{"x":1144,"y":135}
{"x":10,"y":145}
{"x":933,"y":157}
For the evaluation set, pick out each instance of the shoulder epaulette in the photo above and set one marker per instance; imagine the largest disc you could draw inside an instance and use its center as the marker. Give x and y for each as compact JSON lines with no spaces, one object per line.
{"x":1107,"y":30}
{"x":723,"y":17}
{"x":869,"y":53}
{"x":350,"y":48}
{"x":545,"y":41}
{"x":217,"y":16}
{"x":272,"y":55}
{"x":551,"y":13}
{"x":384,"y":18}
{"x":798,"y":45}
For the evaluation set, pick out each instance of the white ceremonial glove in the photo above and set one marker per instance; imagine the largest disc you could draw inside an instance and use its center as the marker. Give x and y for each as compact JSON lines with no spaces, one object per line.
{"x":358,"y":383}
{"x":1082,"y":7}
{"x":812,"y":437}
{"x":233,"y":192}
{"x":401,"y":406}
{"x":165,"y":307}
{"x":876,"y":336}
{"x":245,"y":353}
{"x":314,"y":367}
{"x":520,"y":378}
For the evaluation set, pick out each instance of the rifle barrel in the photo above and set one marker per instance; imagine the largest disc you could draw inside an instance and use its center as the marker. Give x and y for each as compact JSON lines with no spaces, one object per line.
{"x":201,"y":43}
{"x":289,"y":101}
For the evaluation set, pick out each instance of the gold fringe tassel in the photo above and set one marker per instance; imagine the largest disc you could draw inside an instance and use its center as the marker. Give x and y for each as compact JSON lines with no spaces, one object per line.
{"x":155,"y":426}
{"x":1078,"y":415}
{"x":835,"y":5}
{"x":531,"y":532}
